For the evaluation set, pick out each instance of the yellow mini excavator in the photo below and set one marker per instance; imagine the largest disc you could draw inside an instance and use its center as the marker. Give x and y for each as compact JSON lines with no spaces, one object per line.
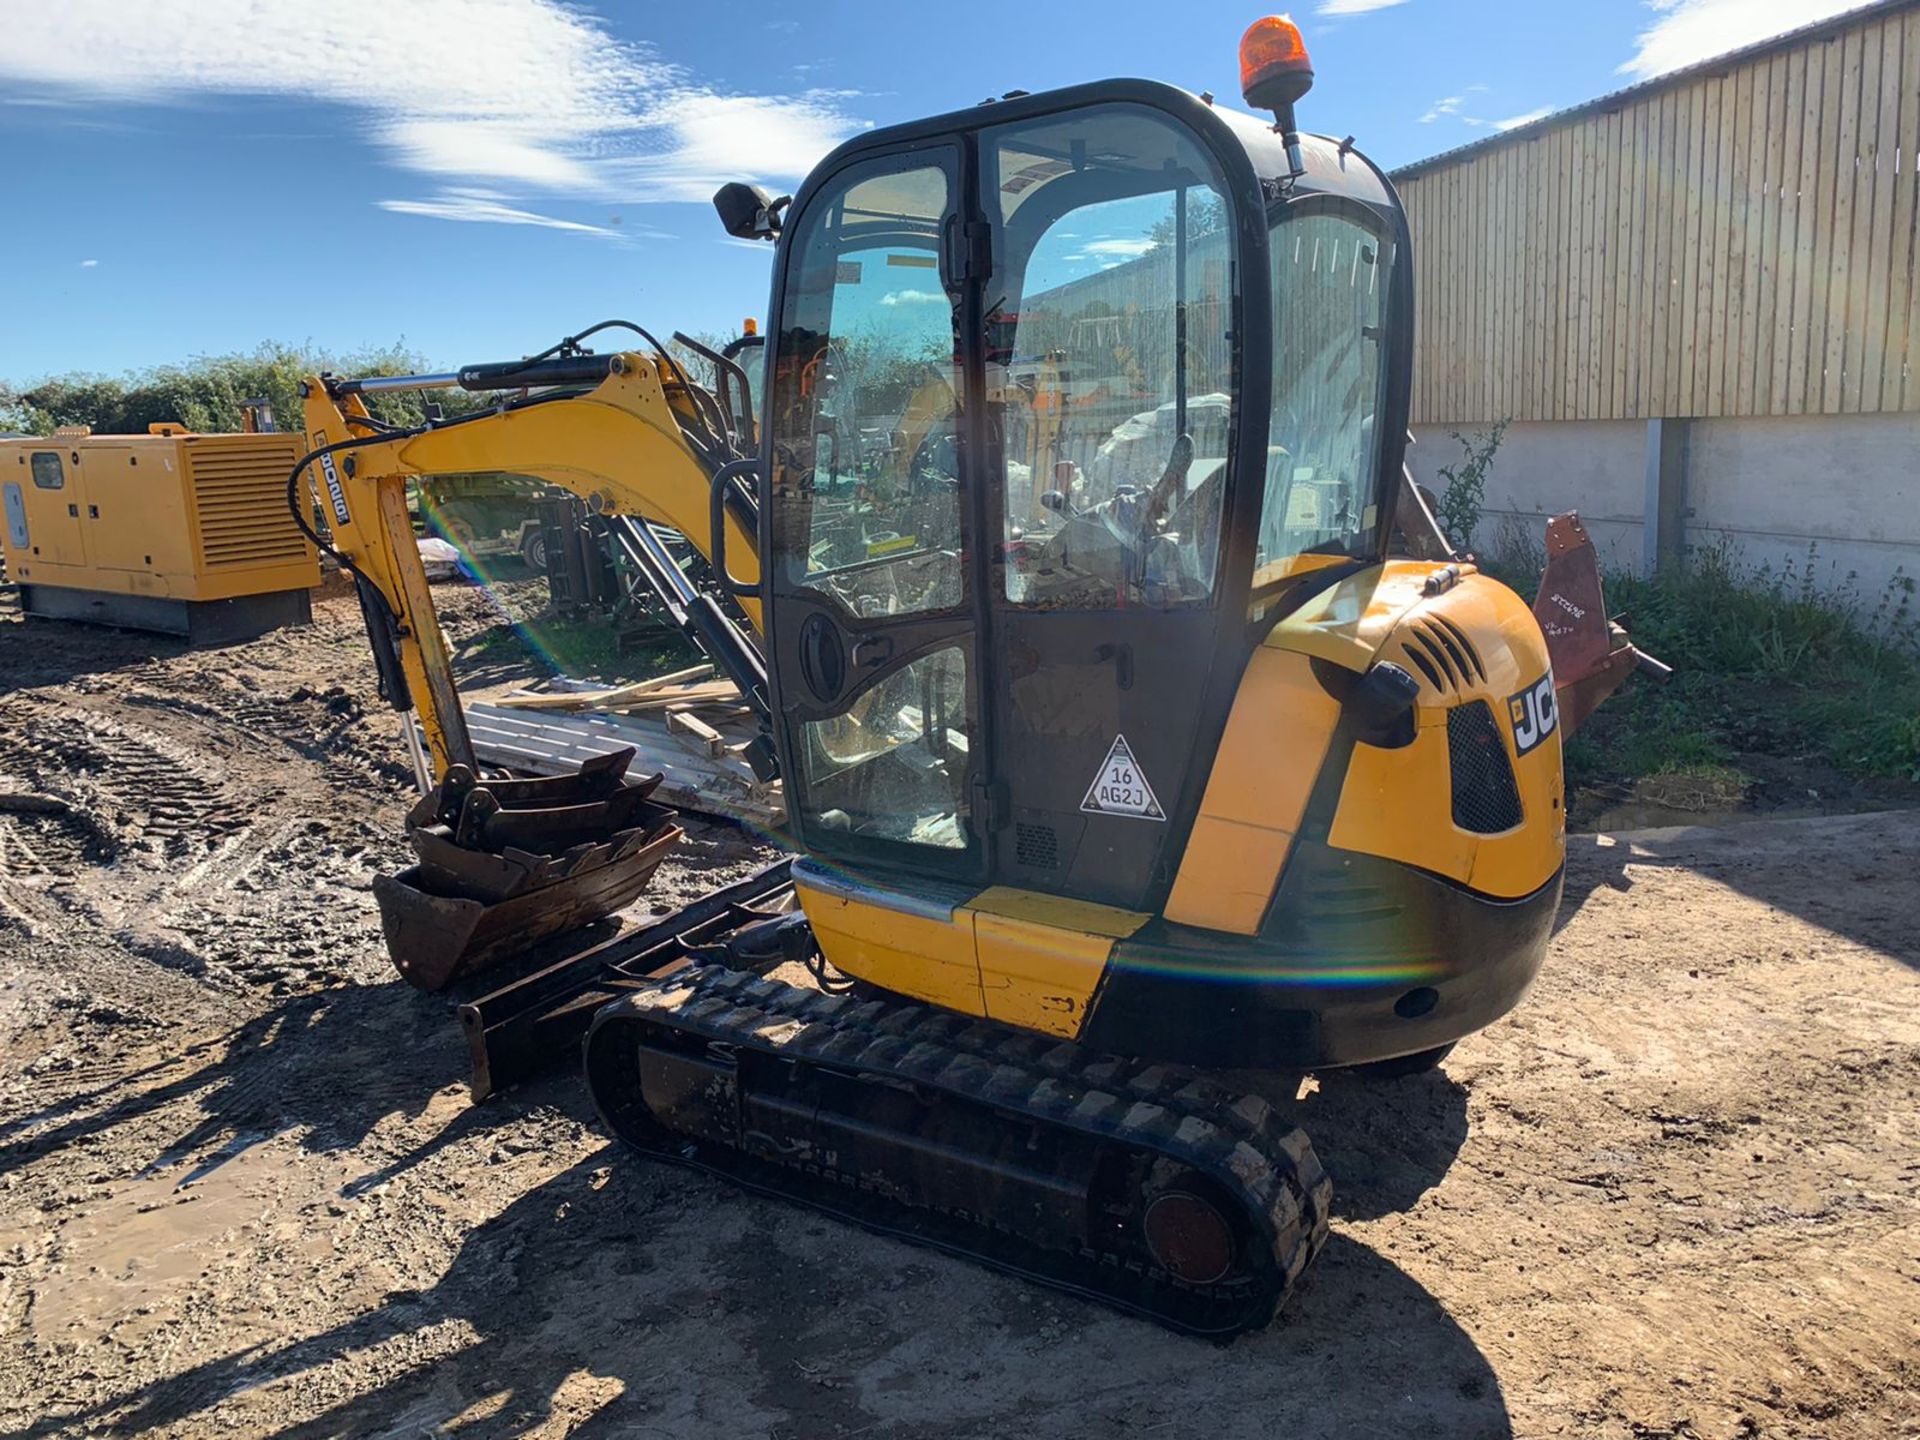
{"x":1133,"y":717}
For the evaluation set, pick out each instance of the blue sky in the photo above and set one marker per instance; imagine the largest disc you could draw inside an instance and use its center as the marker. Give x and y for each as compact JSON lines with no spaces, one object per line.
{"x":477,"y":177}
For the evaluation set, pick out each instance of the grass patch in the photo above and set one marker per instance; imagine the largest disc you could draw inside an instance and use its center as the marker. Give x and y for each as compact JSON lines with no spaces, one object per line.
{"x":587,"y":647}
{"x":1783,"y":693}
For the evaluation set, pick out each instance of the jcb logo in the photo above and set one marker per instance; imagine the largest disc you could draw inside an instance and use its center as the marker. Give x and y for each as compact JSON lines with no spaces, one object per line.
{"x":1534,"y":714}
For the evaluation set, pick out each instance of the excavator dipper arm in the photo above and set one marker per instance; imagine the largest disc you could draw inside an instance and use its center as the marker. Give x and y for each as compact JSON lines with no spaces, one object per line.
{"x":624,"y":446}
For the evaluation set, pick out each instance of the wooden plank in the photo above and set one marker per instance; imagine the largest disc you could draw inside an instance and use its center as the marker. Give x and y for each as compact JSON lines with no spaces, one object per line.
{"x":1898,"y":388}
{"x":1701,"y":251}
{"x":1606,"y":230}
{"x":1843,"y":165}
{"x":1709,"y":375}
{"x":1448,"y":180}
{"x":1763,"y":209}
{"x":1480,"y":316}
{"x":1540,"y":278}
{"x":1567,"y":268}
{"x":1686,"y":267}
{"x":1450,"y":294}
{"x":1631,"y":303}
{"x":1882,"y":139}
{"x":603,"y":699}
{"x":1659,"y":279}
{"x":1420,"y":209}
{"x":1786,"y":231}
{"x":689,"y":724}
{"x":1813,"y":340}
{"x":1498,"y":299}
{"x":1499,"y":355}
{"x":1807,"y":204}
{"x":1586,"y":196}
{"x":1730,"y":334}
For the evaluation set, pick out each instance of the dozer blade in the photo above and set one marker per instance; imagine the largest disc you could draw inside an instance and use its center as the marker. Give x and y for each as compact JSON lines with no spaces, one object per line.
{"x":506,"y":864}
{"x":1591,"y":655}
{"x":1130,"y":1183}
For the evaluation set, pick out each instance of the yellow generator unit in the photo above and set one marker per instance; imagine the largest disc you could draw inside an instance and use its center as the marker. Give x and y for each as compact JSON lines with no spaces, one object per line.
{"x":171,"y":531}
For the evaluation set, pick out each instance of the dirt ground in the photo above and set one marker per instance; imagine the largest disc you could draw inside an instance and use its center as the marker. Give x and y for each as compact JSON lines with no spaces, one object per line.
{"x":242,"y":1192}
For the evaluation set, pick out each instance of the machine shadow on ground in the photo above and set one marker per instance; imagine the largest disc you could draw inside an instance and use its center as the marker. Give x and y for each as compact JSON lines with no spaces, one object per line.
{"x":37,"y":652}
{"x":326,"y":1067}
{"x":615,"y":1266}
{"x":549,"y":1298}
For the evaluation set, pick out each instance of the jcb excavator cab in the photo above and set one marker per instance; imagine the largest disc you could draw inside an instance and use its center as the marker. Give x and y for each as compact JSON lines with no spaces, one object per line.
{"x":1156,"y":386}
{"x":1096,"y":685}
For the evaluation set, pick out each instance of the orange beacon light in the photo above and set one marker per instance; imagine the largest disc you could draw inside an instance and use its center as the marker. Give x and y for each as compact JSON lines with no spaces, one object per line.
{"x":1274,"y":73}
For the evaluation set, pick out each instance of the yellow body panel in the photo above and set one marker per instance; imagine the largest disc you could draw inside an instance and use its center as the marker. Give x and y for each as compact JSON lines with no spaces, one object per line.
{"x":1347,"y":623}
{"x":1036,"y":960}
{"x":1041,"y":956}
{"x":895,"y":941}
{"x":1275,"y":742}
{"x":1398,"y":803}
{"x":1014,"y":955}
{"x":175,"y":517}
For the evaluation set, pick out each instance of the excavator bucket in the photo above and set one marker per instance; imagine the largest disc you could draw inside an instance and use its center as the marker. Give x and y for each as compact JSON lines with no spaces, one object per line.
{"x":1591,"y":654}
{"x":504,"y":864}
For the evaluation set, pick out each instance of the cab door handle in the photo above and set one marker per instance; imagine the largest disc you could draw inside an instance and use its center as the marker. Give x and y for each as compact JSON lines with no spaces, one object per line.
{"x":1121,"y":657}
{"x":872,"y":650}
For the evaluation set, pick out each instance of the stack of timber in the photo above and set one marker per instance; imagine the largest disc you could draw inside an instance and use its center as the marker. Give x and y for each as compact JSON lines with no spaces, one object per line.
{"x":689,"y":727}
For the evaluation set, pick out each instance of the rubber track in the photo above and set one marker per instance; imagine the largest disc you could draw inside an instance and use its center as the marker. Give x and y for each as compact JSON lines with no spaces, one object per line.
{"x":1236,"y":1139}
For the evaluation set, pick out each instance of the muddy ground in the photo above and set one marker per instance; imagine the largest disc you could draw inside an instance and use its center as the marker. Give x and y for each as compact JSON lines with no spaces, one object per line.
{"x":242,"y":1191}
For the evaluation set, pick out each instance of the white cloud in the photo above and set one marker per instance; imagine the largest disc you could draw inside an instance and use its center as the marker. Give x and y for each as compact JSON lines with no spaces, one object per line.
{"x":1354,"y":7}
{"x":1693,"y":30}
{"x":88,"y":264}
{"x":704,"y":139}
{"x":1125,"y":249}
{"x":1514,"y":122}
{"x":533,"y":94}
{"x":1449,"y":106}
{"x":913,"y":297}
{"x":486,"y":206}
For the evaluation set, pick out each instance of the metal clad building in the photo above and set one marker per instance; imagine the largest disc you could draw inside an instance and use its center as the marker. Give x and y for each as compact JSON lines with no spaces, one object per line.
{"x":1728,"y":252}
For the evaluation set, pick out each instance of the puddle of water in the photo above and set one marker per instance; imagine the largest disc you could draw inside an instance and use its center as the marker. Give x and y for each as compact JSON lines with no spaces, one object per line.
{"x":135,"y":1255}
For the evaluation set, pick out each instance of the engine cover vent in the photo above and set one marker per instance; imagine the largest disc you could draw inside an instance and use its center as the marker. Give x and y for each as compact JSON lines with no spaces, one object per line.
{"x":1486,"y":800}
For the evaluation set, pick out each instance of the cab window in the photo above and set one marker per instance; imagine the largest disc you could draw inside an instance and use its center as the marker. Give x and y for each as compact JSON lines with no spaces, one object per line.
{"x":1109,"y":361}
{"x":1331,"y":277}
{"x":47,"y":474}
{"x":867,"y":402}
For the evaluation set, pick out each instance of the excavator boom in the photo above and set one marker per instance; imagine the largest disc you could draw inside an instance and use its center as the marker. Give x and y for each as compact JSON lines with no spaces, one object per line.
{"x":610,"y":429}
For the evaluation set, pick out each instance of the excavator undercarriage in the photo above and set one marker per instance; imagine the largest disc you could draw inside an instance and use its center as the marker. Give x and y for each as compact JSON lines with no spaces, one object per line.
{"x":1134,"y":1183}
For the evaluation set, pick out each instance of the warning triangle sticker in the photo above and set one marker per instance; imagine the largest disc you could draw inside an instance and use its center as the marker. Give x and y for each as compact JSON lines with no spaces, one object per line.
{"x":1121,"y":787}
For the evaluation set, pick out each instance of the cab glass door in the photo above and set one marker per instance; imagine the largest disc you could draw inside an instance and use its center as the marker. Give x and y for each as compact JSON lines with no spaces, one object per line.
{"x":870,"y":612}
{"x":1111,"y":362}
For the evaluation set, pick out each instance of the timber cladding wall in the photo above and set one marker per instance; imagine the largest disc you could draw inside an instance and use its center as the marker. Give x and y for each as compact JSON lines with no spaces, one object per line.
{"x":1736,"y":240}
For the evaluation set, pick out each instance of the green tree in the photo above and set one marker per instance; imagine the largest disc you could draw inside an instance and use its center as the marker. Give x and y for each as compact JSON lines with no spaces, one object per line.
{"x":205,"y":393}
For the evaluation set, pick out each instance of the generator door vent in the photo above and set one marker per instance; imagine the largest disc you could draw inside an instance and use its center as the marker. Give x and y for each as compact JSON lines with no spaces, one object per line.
{"x":242,"y":495}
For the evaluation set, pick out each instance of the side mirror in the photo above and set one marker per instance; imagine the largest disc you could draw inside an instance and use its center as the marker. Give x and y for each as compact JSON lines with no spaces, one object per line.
{"x":747,"y":212}
{"x":1055,"y":501}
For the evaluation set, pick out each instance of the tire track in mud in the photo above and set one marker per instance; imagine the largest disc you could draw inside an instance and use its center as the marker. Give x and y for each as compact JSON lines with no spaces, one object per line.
{"x":130,"y":787}
{"x":211,"y":840}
